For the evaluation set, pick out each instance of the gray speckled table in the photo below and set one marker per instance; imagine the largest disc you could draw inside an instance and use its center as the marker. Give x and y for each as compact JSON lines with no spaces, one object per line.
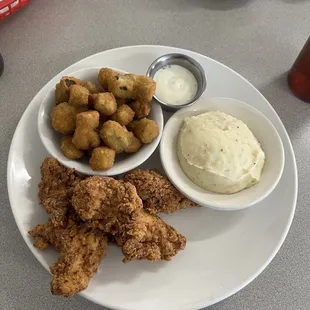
{"x":258,"y":38}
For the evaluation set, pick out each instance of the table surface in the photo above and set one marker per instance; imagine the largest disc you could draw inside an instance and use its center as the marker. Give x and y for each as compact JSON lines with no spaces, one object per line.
{"x":260,"y":39}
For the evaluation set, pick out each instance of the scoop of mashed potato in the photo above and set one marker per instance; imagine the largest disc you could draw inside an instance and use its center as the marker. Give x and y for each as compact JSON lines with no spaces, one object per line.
{"x":219,"y":153}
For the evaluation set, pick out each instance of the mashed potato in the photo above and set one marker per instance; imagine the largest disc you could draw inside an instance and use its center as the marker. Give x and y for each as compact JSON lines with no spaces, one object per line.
{"x":219,"y":153}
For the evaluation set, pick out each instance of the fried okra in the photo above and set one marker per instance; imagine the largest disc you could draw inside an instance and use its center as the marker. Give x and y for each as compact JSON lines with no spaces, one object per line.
{"x":102,"y":158}
{"x":127,"y":86}
{"x":132,"y":125}
{"x":146,"y":130}
{"x":105,"y":103}
{"x":78,"y":95}
{"x":123,"y":115}
{"x":62,"y":88}
{"x":69,"y":149}
{"x":85,"y":136}
{"x":144,"y":88}
{"x":115,"y":136}
{"x":120,"y":101}
{"x":106,"y":74}
{"x":63,"y":118}
{"x":92,"y":87}
{"x":141,"y":109}
{"x":134,"y":144}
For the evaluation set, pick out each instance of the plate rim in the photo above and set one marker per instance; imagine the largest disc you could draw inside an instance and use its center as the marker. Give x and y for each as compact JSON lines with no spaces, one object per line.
{"x":199,"y":304}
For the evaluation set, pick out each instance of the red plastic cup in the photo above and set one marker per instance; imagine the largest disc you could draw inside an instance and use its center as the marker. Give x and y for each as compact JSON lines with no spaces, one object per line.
{"x":299,"y":75}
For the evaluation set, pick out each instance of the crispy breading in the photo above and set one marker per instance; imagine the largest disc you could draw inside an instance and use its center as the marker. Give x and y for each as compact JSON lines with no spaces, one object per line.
{"x":123,"y":115}
{"x":69,"y":149}
{"x":115,"y":207}
{"x":63,"y":118}
{"x":56,"y":188}
{"x":86,"y":136}
{"x":62,"y":88}
{"x":115,"y":136}
{"x":127,"y":86}
{"x":102,"y":158}
{"x":81,"y":250}
{"x":157,"y":192}
{"x":134,"y":144}
{"x":146,"y":130}
{"x":141,"y":109}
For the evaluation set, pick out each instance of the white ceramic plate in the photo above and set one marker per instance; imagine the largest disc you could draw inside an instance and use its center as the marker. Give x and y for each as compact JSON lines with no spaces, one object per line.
{"x":225,"y":250}
{"x":51,"y":139}
{"x":262,"y":129}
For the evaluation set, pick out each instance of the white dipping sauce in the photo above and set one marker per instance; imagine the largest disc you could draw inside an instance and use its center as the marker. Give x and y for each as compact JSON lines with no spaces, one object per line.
{"x":175,"y":85}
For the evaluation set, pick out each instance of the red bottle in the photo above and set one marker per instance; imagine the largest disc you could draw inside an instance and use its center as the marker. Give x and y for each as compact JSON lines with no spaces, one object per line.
{"x":299,"y":75}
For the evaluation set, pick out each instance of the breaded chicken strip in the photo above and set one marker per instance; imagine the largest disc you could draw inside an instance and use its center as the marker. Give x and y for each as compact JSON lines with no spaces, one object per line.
{"x":55,"y":189}
{"x":157,"y":192}
{"x":115,"y":207}
{"x":81,"y":250}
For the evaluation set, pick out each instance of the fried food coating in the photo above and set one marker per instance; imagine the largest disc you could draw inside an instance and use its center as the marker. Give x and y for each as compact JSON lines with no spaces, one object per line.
{"x":106,"y":74}
{"x":115,"y":207}
{"x":63,"y":118}
{"x":122,"y":86}
{"x":69,"y":149}
{"x":115,"y":136}
{"x":157,"y":192}
{"x":134,"y":144}
{"x":85,"y":136}
{"x":146,"y":130}
{"x":149,"y":238}
{"x":123,"y":115}
{"x":62,"y":88}
{"x":105,"y":103}
{"x":81,"y":251}
{"x":132,"y":125}
{"x":78,"y":95}
{"x":120,"y":101}
{"x":56,"y":188}
{"x":141,"y":109}
{"x":144,"y":88}
{"x":127,"y":86}
{"x":92,"y":87}
{"x":102,"y":158}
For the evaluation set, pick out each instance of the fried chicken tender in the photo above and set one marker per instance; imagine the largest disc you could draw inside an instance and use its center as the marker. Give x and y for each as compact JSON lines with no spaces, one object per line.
{"x":78,"y":96}
{"x":81,"y":247}
{"x":63,"y":118}
{"x":123,"y":115}
{"x":115,"y":136}
{"x":127,"y":86}
{"x":69,"y":149}
{"x":146,"y":130}
{"x":92,"y":87}
{"x":102,"y":158}
{"x":115,"y":207}
{"x":141,"y":109}
{"x":157,"y":192}
{"x":56,"y":188}
{"x":62,"y":88}
{"x":85,"y":136}
{"x":105,"y":103}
